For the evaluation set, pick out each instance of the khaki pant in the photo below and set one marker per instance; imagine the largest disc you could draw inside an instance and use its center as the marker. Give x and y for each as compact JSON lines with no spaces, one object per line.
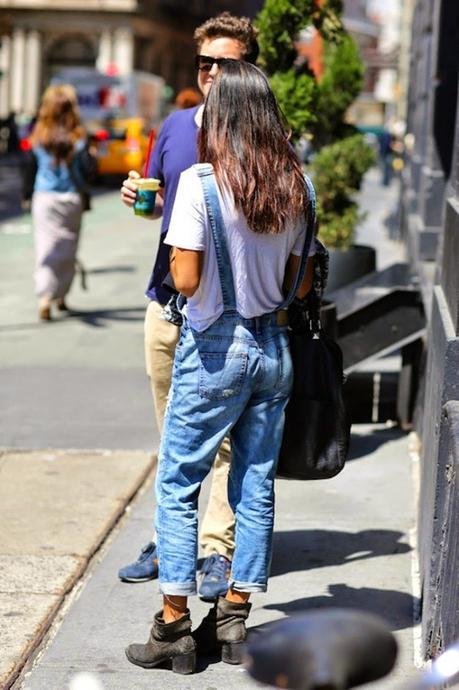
{"x":161,"y":337}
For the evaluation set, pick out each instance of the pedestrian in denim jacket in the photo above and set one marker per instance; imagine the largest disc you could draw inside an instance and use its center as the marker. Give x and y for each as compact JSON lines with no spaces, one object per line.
{"x":237,"y":235}
{"x":56,"y":173}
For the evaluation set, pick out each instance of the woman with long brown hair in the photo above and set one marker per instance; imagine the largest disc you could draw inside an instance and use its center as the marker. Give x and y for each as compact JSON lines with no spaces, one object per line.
{"x":56,"y":140}
{"x":237,"y":234}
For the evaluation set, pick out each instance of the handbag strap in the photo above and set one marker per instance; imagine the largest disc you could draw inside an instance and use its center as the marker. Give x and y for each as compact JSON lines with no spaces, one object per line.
{"x":310,"y":214}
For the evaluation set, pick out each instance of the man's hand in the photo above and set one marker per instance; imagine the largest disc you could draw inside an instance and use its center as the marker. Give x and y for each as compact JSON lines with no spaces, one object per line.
{"x":129,"y":189}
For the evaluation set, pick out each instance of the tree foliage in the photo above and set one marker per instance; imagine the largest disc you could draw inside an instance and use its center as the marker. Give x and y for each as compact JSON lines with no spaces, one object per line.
{"x":338,"y":87}
{"x":296,"y":95}
{"x":280,"y":22}
{"x":317,"y":108}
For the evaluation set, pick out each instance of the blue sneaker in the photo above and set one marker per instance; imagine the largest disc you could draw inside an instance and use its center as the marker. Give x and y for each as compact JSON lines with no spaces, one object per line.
{"x":215,"y":574}
{"x":145,"y":567}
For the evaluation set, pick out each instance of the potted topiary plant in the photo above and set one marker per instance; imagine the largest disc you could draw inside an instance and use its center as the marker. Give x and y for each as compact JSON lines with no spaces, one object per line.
{"x":315,"y":106}
{"x":337,"y":170}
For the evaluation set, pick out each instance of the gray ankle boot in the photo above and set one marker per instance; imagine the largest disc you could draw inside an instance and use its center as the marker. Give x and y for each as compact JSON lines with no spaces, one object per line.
{"x":169,"y":642}
{"x":223,"y":630}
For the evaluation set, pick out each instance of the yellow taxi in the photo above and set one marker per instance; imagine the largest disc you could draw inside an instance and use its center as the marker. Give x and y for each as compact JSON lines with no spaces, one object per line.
{"x":121,"y":145}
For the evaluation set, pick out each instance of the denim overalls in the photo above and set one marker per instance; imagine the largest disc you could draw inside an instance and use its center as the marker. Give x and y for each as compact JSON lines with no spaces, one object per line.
{"x":232,"y":379}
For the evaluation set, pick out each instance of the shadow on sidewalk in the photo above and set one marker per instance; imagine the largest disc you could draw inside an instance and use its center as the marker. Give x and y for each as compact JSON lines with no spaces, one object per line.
{"x":96,"y":317}
{"x":92,"y":317}
{"x":397,"y":608}
{"x":368,"y":442}
{"x":119,"y":268}
{"x":393,"y":221}
{"x":298,"y":550}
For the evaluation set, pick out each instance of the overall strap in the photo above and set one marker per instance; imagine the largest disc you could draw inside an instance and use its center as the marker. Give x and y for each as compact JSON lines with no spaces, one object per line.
{"x":310,"y":213}
{"x":206,"y":176}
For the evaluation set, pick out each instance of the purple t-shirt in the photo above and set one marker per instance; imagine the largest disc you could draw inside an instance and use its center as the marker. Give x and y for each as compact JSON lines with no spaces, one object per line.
{"x":175,"y":151}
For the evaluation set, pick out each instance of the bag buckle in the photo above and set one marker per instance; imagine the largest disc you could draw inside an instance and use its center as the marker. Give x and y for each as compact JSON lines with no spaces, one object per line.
{"x":314,"y":327}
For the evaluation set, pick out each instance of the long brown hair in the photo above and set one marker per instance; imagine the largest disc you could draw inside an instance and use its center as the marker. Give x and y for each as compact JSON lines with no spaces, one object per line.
{"x":243,"y":137}
{"x":58,"y":125}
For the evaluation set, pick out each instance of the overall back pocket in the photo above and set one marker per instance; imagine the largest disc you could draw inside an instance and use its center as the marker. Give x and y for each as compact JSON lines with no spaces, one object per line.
{"x":221,"y":375}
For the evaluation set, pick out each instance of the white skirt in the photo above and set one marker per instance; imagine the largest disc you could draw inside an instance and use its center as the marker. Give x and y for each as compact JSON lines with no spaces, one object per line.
{"x":57,"y":220}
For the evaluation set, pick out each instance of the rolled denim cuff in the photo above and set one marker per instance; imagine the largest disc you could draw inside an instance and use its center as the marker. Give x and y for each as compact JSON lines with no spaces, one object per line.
{"x":240,"y":586}
{"x":178,"y":589}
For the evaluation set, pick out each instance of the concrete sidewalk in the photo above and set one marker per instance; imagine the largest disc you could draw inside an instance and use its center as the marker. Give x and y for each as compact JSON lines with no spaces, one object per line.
{"x":56,"y":508}
{"x":342,"y":542}
{"x":79,"y":383}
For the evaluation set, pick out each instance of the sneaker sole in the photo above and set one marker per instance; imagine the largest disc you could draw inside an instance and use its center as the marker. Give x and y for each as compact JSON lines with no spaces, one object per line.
{"x":212,"y":597}
{"x":138,"y":579}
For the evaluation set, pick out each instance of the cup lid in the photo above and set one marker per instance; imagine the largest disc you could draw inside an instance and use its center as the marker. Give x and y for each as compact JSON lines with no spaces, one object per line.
{"x":149,"y":183}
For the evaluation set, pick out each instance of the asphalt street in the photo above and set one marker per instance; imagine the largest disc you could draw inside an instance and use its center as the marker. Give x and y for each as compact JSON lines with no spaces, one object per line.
{"x":78,"y":382}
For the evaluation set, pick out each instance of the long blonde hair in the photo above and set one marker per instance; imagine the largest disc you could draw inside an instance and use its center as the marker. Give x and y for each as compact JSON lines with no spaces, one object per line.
{"x":58,"y":126}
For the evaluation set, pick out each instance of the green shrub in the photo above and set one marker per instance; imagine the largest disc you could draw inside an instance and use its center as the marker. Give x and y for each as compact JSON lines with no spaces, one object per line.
{"x":280,"y":21}
{"x":317,"y":108}
{"x":337,"y":170}
{"x":338,"y":87}
{"x":337,"y":227}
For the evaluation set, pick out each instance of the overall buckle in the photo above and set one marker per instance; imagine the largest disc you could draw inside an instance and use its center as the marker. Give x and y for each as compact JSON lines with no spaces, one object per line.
{"x":282,"y":317}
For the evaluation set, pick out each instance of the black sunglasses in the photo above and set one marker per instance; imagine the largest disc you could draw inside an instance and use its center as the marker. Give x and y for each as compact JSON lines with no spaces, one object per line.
{"x":204,"y":63}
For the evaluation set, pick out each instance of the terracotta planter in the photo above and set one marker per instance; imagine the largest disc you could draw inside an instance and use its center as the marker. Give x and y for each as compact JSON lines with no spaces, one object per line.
{"x":347,"y":265}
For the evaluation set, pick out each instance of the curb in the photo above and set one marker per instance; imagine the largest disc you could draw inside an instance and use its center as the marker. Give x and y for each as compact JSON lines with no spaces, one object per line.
{"x":9,"y":675}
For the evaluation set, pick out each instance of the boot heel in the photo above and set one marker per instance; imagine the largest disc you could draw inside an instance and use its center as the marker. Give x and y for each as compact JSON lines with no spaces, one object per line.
{"x":232,"y":652}
{"x":185,"y":663}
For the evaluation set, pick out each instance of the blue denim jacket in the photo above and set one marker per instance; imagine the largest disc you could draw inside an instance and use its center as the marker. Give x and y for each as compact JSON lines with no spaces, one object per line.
{"x":54,"y":176}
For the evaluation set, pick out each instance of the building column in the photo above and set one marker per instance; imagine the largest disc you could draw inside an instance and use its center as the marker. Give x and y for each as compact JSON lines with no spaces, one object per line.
{"x":33,"y":71}
{"x":105,"y":54}
{"x":423,"y":68}
{"x":423,"y":181}
{"x":5,"y":67}
{"x":404,"y":62}
{"x":123,"y":50}
{"x":440,"y":130}
{"x":17,"y":70}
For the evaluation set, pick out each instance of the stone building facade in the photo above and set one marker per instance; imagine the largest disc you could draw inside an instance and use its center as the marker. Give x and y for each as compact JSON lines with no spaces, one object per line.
{"x":40,"y":37}
{"x":430,"y":229}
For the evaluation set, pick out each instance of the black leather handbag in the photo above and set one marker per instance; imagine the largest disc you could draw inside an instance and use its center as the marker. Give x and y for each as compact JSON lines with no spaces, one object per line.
{"x":317,"y":427}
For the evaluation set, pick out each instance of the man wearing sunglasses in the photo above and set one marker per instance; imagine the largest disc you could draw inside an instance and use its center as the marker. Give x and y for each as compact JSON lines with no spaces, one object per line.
{"x":220,"y":38}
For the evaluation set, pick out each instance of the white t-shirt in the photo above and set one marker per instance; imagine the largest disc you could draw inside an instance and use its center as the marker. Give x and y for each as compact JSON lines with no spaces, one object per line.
{"x":257,"y":260}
